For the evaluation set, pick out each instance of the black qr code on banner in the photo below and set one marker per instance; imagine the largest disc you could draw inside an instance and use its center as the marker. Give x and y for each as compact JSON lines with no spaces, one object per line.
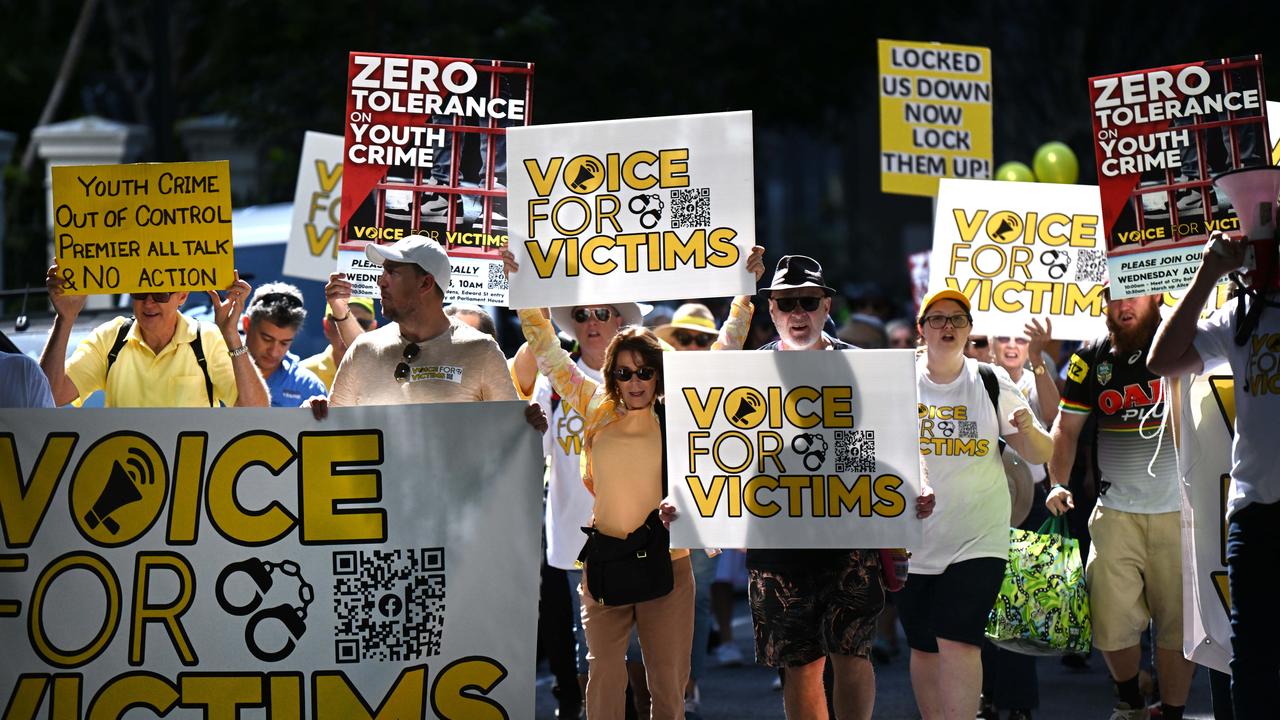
{"x":691,"y":208}
{"x":1091,"y":265}
{"x":389,"y":604}
{"x":497,"y":278}
{"x":855,"y":451}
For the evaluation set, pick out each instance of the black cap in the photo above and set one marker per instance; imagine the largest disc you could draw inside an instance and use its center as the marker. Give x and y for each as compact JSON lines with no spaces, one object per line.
{"x":798,"y":271}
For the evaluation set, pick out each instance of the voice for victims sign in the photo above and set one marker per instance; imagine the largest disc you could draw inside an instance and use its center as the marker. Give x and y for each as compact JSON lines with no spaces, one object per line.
{"x":614,"y":211}
{"x":1022,"y":250}
{"x":1160,"y":136}
{"x":197,"y":565}
{"x":317,"y":199}
{"x":425,"y":154}
{"x":800,"y":450}
{"x":154,"y":227}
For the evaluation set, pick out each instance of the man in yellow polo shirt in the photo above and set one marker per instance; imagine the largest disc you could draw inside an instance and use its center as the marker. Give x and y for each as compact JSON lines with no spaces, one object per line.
{"x":162,"y":359}
{"x":325,"y":364}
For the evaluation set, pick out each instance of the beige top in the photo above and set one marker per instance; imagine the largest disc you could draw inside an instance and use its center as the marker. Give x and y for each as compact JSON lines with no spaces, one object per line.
{"x":460,"y":364}
{"x":627,"y":458}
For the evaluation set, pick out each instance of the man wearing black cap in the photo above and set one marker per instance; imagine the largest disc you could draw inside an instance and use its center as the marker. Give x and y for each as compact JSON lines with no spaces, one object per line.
{"x":808,"y":605}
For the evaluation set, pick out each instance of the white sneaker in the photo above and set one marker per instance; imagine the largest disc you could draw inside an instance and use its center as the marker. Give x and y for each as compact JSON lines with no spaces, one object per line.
{"x":729,"y":655}
{"x":1122,"y":711}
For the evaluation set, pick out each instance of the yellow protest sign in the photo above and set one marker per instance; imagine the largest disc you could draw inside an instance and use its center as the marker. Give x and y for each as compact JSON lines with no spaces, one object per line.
{"x":150,"y":227}
{"x":935,"y":115}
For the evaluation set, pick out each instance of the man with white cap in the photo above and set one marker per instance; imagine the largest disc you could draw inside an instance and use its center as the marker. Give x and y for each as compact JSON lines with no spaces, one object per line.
{"x":422,"y":355}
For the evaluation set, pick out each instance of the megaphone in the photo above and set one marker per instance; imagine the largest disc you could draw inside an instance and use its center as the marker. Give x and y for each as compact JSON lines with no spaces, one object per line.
{"x":1253,"y":193}
{"x":586,"y":172}
{"x":746,"y":406}
{"x":118,"y":492}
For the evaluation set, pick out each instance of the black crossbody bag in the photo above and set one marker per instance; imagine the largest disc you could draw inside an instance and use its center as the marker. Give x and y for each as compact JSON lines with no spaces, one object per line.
{"x":623,"y":571}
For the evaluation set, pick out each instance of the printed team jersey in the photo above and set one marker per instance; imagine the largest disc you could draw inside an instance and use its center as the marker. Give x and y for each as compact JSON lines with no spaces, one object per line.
{"x":1128,"y":402}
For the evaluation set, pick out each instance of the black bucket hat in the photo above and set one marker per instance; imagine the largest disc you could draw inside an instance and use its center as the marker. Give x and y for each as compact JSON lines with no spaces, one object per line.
{"x":798,"y":271}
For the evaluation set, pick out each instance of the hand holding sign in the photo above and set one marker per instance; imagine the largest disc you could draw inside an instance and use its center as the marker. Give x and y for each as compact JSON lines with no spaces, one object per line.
{"x":1222,"y":254}
{"x":67,"y":307}
{"x":226,"y":313}
{"x":338,"y":292}
{"x":925,"y":502}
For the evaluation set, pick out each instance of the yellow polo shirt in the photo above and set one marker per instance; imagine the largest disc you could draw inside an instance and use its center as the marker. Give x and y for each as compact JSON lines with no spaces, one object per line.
{"x":323,"y":366}
{"x":141,"y":377}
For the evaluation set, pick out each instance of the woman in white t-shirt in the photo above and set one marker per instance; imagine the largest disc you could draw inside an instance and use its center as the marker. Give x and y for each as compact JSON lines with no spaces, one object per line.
{"x":957,"y":570}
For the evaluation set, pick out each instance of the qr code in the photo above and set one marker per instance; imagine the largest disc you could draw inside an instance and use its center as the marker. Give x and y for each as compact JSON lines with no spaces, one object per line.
{"x":497,"y":278}
{"x":855,"y":451}
{"x":691,"y":208}
{"x":1091,"y":266}
{"x":389,"y":604}
{"x":968,"y":428}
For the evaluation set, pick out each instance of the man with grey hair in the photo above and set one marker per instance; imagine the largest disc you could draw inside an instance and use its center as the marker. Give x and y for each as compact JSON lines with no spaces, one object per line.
{"x":272,"y":320}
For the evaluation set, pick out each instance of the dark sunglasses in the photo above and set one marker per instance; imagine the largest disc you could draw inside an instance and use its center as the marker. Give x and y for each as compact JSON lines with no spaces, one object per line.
{"x":159,"y":297}
{"x":937,"y":322}
{"x":683,"y":337}
{"x":645,"y":373}
{"x":286,"y":299}
{"x":980,"y":343}
{"x":402,"y":370}
{"x":581,"y":315}
{"x":364,"y":322}
{"x":809,"y":304}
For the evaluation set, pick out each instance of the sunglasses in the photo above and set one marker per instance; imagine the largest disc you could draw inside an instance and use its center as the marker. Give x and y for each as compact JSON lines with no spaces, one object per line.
{"x":364,"y":322}
{"x":158,"y":297}
{"x":937,"y":322}
{"x":645,"y":373}
{"x":581,"y":315}
{"x":1005,"y":339}
{"x":286,"y":299}
{"x":980,"y":343}
{"x":807,"y":303}
{"x":402,"y":370}
{"x":683,"y":337}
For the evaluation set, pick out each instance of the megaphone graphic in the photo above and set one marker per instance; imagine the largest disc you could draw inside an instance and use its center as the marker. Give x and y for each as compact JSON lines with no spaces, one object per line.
{"x":746,"y":405}
{"x":1253,"y":192}
{"x":588,"y":170}
{"x":118,"y":492}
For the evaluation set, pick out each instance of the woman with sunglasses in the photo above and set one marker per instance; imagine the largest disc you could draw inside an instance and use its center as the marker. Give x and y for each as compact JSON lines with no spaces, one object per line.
{"x":958,"y":568}
{"x":622,"y":468}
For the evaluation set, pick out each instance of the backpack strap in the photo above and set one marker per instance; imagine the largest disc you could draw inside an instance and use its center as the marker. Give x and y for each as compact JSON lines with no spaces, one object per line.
{"x":992,"y":384}
{"x":197,"y":347}
{"x":122,"y":337}
{"x":660,"y":410}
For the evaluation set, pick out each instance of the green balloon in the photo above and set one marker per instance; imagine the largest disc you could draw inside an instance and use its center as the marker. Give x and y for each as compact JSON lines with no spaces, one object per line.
{"x":1055,"y":163}
{"x":1015,"y":171}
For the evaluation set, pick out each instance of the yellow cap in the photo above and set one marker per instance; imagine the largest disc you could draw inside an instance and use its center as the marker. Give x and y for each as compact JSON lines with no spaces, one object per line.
{"x":943,"y":294}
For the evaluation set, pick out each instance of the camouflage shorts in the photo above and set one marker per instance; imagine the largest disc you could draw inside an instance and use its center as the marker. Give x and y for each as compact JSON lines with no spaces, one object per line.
{"x":802,"y":616}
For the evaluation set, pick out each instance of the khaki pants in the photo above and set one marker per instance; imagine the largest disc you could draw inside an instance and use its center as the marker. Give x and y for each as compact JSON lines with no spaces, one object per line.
{"x":665,"y":627}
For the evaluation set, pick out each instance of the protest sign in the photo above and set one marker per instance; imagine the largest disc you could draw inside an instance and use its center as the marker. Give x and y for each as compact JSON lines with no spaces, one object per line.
{"x":935,"y":115}
{"x":1273,"y":130}
{"x":425,"y":154}
{"x":199,"y":563}
{"x":149,"y":227}
{"x":1205,"y":431}
{"x":1160,"y":137}
{"x":1020,"y":251}
{"x":362,"y":273}
{"x":317,"y":199}
{"x":632,"y":209}
{"x":800,"y":450}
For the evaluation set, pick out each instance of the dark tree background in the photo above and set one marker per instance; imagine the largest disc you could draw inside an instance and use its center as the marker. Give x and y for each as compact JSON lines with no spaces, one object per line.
{"x":807,"y":69}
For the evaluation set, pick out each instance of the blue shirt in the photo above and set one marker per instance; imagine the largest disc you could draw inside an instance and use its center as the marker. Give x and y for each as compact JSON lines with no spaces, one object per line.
{"x":291,"y":384}
{"x":22,"y":383}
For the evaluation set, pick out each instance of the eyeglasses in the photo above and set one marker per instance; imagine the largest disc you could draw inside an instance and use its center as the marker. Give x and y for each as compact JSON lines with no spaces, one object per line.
{"x":683,"y":337}
{"x":645,"y":373}
{"x":158,"y":297}
{"x":581,"y":315}
{"x":807,"y":303}
{"x":402,"y":370}
{"x":1005,"y":339}
{"x":938,"y":321}
{"x":979,"y":343}
{"x":287,"y":299}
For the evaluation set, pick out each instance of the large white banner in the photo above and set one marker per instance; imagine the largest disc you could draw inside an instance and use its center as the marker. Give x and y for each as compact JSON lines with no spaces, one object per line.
{"x":1022,"y":250}
{"x":631,"y":209}
{"x":793,"y":449}
{"x":1204,"y":461}
{"x":317,"y":209}
{"x":204,"y":561}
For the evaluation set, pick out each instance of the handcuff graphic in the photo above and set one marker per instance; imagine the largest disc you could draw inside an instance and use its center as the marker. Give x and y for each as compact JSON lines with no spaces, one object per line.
{"x":649,"y":215}
{"x":293,"y":617}
{"x":1057,"y":262}
{"x":805,"y":443}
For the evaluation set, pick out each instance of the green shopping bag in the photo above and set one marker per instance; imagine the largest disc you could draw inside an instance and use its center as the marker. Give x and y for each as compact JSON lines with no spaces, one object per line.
{"x":1043,"y":605}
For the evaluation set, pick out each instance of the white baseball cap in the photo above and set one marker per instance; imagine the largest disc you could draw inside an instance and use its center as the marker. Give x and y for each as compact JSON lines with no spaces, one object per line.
{"x":416,"y":250}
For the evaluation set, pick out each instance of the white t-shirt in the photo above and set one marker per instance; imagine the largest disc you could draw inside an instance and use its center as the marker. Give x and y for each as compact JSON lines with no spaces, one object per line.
{"x":959,"y":431}
{"x":1255,"y":473}
{"x":1026,"y":384}
{"x":568,"y":502}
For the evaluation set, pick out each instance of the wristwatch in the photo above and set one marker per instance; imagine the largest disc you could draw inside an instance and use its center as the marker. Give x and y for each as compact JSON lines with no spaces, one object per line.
{"x":1038,"y":369}
{"x":238,"y":351}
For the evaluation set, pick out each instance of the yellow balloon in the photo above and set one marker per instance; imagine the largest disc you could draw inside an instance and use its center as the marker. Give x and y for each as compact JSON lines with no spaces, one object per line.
{"x":1015,"y":172}
{"x":1055,"y":163}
